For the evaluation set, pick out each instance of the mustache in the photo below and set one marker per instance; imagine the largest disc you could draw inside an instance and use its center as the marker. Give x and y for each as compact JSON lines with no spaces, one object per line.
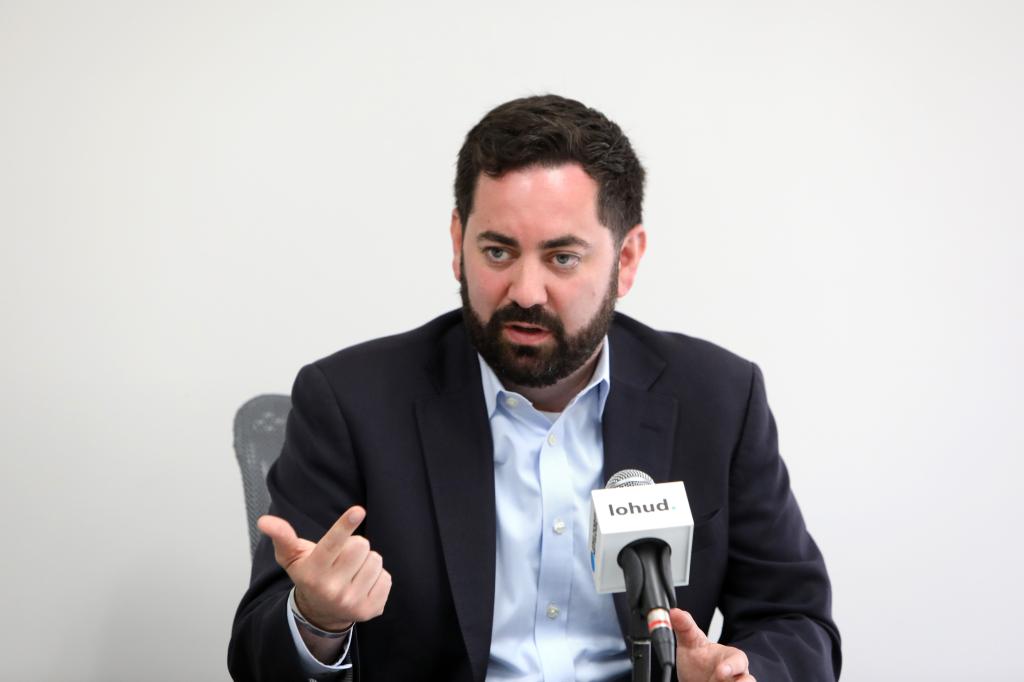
{"x":535,"y":315}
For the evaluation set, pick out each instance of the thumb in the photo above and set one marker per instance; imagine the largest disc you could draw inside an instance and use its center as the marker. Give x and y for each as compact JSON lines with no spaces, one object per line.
{"x":688,"y":634}
{"x":288,"y":547}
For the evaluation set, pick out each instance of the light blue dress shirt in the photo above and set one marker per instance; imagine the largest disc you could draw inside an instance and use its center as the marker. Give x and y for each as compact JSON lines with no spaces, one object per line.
{"x":550,"y":624}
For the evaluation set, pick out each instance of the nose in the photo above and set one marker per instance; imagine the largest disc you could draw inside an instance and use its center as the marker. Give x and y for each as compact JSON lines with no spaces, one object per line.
{"x":527,"y":287}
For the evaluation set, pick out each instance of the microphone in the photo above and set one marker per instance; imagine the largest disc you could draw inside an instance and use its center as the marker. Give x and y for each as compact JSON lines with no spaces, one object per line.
{"x":640,"y":541}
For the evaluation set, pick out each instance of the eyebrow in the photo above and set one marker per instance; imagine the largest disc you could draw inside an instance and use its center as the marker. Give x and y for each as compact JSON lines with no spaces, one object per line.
{"x":492,"y":236}
{"x":556,"y":243}
{"x":562,"y":242}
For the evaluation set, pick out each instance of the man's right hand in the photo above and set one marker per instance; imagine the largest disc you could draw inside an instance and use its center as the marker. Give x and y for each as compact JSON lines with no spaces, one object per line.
{"x":338,"y":581}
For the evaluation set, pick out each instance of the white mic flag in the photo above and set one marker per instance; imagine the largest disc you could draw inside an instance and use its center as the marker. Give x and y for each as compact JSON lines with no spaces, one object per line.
{"x":637,"y":510}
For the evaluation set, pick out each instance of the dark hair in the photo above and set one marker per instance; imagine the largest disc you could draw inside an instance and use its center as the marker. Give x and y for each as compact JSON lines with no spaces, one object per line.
{"x":549,"y":130}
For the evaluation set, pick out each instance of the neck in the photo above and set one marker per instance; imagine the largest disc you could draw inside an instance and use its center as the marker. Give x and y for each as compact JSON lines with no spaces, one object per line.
{"x":555,"y":397}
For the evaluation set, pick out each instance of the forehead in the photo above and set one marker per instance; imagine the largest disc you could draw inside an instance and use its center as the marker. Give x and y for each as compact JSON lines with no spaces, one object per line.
{"x":537,"y":199}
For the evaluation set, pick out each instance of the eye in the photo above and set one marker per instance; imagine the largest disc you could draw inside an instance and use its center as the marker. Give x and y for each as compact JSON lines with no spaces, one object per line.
{"x":566,"y":261}
{"x":496,"y":254}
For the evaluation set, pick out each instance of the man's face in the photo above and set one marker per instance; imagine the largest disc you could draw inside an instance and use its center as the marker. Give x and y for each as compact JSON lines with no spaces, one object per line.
{"x":539,"y":273}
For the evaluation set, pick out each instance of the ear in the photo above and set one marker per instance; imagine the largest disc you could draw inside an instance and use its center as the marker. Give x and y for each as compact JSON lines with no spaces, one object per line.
{"x":456,"y":232}
{"x":632,"y":250}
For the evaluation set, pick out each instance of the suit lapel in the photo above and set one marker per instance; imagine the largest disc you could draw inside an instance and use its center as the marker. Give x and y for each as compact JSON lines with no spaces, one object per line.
{"x":458,"y":452}
{"x":638,"y":426}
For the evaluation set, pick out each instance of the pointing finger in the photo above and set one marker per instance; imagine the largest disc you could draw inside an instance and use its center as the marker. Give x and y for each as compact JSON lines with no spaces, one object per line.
{"x":688,"y":634}
{"x":334,"y":539}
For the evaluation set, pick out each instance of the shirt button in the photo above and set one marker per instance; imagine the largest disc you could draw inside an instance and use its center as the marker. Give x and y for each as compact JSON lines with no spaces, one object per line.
{"x":511,"y":402}
{"x":551,"y":439}
{"x":558,"y":526}
{"x":553,"y":611}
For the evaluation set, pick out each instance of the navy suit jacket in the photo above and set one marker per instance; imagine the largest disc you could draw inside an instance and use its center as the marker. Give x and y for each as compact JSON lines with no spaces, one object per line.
{"x":399,"y":426}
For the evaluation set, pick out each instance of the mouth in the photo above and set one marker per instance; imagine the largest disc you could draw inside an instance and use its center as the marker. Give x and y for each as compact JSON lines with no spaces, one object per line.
{"x":525,"y":334}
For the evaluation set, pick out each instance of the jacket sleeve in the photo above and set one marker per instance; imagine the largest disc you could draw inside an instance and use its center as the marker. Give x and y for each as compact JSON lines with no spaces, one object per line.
{"x":311,"y":484}
{"x":776,"y":598}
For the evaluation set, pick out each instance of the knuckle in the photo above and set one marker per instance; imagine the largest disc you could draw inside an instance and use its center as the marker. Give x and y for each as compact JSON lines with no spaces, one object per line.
{"x":348,"y":600}
{"x":331,"y":591}
{"x":356,"y":549}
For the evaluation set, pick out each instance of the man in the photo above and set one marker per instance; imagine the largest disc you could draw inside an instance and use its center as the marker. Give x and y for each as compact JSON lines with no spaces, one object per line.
{"x":464,"y":451}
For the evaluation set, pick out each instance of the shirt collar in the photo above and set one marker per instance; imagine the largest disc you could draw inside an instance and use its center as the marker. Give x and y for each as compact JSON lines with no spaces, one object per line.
{"x":601,"y":382}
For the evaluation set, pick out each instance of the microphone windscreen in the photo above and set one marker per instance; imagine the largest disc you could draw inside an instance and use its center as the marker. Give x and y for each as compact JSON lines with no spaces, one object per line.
{"x":628,"y":478}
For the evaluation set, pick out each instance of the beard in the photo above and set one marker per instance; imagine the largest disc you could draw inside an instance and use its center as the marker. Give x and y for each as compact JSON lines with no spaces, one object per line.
{"x":541,"y":365}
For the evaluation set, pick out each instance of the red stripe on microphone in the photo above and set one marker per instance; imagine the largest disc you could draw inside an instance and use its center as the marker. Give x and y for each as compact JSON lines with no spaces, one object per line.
{"x":659,"y":623}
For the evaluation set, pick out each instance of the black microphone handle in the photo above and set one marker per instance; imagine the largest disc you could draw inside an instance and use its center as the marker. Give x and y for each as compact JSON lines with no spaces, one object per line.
{"x":647,"y":567}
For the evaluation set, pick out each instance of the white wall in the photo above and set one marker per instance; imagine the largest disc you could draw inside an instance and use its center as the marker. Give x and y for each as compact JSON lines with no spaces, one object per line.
{"x":195,"y":200}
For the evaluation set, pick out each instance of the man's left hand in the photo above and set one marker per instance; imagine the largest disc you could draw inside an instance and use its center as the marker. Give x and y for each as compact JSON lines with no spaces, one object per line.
{"x":698,"y":659}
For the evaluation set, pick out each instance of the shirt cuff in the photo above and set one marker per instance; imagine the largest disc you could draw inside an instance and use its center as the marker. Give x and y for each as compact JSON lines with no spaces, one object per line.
{"x":310,"y":665}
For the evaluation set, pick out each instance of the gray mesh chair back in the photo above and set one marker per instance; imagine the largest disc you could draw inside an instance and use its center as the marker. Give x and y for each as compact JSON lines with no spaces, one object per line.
{"x":259,"y":435}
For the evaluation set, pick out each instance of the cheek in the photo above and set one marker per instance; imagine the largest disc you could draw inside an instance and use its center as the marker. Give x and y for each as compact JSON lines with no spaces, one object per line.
{"x":485,"y":291}
{"x":577,"y":304}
